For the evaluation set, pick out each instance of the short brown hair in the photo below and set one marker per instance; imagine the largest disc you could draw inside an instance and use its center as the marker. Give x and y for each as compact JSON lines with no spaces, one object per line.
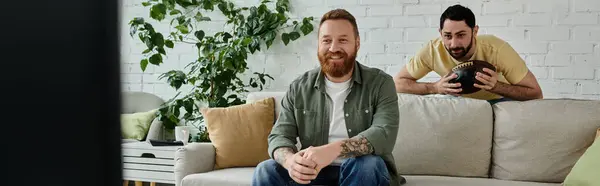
{"x":337,"y":14}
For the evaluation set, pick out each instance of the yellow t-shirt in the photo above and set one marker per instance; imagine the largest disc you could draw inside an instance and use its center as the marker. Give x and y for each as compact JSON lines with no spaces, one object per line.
{"x":510,"y":67}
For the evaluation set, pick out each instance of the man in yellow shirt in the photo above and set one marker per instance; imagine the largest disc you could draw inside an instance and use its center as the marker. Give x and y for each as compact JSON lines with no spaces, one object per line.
{"x":458,"y":43}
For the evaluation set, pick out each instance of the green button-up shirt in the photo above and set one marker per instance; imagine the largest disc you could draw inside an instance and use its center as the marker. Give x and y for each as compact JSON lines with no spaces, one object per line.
{"x":370,"y":110}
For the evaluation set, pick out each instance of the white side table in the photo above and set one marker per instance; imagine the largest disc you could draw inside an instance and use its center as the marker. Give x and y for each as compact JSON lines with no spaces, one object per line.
{"x":143,"y":162}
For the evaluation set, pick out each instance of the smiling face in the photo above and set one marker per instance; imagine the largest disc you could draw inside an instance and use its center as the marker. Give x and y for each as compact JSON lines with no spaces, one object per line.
{"x":338,"y":46}
{"x":458,"y":38}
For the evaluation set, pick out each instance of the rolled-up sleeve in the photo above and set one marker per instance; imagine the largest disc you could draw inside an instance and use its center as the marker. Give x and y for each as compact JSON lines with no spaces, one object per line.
{"x":285,"y":130}
{"x":384,"y":128}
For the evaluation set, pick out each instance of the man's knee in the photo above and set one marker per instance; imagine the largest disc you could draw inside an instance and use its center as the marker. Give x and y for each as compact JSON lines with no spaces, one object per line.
{"x":366,"y":163}
{"x":269,"y":165}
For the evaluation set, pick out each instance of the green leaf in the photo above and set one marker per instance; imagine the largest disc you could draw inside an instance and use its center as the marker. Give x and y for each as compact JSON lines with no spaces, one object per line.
{"x":144,"y":64}
{"x":306,"y":28}
{"x":158,"y":11}
{"x":159,"y":40}
{"x":294,"y":35}
{"x":146,"y":51}
{"x":161,"y":51}
{"x":183,"y":29}
{"x":246,"y":41}
{"x":199,"y":34}
{"x":169,"y":43}
{"x":227,"y":36}
{"x":285,"y":37}
{"x":145,"y":4}
{"x":156,"y":59}
{"x":175,"y":11}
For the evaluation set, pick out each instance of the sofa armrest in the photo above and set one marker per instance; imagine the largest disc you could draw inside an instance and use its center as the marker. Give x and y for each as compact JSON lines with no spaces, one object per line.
{"x":193,"y":158}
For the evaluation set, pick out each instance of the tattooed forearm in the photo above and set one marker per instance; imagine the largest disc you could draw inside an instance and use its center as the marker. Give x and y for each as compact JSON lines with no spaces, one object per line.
{"x":281,"y":153}
{"x":356,"y":146}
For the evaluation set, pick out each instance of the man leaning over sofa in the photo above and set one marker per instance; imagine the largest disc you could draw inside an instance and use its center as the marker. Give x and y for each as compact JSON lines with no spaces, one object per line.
{"x":344,"y":114}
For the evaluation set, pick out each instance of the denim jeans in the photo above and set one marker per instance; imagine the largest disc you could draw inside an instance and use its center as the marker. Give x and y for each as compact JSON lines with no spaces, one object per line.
{"x":494,"y":101}
{"x":364,"y":170}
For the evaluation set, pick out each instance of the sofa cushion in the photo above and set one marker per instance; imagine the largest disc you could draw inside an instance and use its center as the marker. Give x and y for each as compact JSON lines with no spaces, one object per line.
{"x":136,"y":125}
{"x":540,"y":140}
{"x":223,"y":177}
{"x":278,"y":96}
{"x":587,"y":168}
{"x":239,"y":133}
{"x":464,"y":181}
{"x":449,"y":136}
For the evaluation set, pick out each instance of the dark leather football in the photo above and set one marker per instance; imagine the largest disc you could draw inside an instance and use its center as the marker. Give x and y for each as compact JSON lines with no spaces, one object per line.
{"x":466,"y":72}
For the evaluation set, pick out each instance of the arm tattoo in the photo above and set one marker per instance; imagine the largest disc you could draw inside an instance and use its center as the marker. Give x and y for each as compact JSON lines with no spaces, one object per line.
{"x":356,"y":146}
{"x":281,"y":153}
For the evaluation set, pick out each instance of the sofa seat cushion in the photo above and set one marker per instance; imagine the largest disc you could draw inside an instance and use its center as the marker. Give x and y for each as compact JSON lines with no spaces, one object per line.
{"x":466,"y":181}
{"x":224,"y":177}
{"x":444,"y":136}
{"x":540,"y":140}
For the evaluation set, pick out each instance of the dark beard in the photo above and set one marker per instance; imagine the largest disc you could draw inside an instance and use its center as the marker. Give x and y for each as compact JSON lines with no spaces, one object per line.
{"x":337,"y":70}
{"x":464,"y":50}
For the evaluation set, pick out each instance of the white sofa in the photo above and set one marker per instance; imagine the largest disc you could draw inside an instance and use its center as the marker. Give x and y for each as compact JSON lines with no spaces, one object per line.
{"x":454,"y":142}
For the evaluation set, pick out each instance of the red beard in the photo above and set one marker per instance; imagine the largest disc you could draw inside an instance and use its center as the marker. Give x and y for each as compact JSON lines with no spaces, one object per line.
{"x":336,"y":70}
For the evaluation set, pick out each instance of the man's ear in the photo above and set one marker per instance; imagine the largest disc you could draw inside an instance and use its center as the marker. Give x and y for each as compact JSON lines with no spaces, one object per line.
{"x":475,"y":30}
{"x":357,"y":43}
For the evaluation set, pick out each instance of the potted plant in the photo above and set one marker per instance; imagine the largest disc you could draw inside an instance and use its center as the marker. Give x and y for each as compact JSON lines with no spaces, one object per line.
{"x":214,"y":77}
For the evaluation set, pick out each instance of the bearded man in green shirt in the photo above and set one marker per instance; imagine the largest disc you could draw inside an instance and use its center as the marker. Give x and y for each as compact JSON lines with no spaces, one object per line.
{"x":344,"y":114}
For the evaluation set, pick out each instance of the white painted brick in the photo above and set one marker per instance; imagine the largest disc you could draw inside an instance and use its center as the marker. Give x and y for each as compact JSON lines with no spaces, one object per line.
{"x":380,"y":59}
{"x":590,"y":88}
{"x":341,"y":2}
{"x":374,"y":48}
{"x":409,"y":21}
{"x":422,"y":9}
{"x":502,"y":7}
{"x":572,"y":47}
{"x":558,"y":87}
{"x":152,"y":78}
{"x":535,"y":60}
{"x":523,"y":47}
{"x":134,"y":87}
{"x":356,"y":11}
{"x":404,"y":48}
{"x":492,"y":21}
{"x":317,"y":12}
{"x":410,"y":1}
{"x":507,"y":34}
{"x":549,"y":34}
{"x":394,"y":69}
{"x":577,"y":19}
{"x":372,"y":22}
{"x":557,"y":59}
{"x":572,"y":73}
{"x":586,"y":5}
{"x":532,"y":20}
{"x":297,"y":4}
{"x":546,"y":6}
{"x":476,"y":6}
{"x":539,"y":72}
{"x":377,"y":2}
{"x":132,"y":78}
{"x":390,"y":10}
{"x":385,"y":35}
{"x":586,"y":60}
{"x":421,"y":34}
{"x":586,"y":33}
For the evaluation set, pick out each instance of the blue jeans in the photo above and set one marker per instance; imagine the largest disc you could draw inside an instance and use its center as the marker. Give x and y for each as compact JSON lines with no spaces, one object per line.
{"x":494,"y":101}
{"x":364,"y":170}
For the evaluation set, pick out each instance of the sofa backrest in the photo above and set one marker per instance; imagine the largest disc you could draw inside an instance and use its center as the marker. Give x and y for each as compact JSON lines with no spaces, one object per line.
{"x":446,"y":136}
{"x":541,"y":140}
{"x":140,"y":102}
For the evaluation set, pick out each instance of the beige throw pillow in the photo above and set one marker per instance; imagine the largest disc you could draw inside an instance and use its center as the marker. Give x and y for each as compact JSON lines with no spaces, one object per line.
{"x":239,"y":133}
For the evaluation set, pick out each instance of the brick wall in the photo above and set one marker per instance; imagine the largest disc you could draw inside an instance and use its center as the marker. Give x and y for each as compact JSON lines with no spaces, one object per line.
{"x":558,"y":39}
